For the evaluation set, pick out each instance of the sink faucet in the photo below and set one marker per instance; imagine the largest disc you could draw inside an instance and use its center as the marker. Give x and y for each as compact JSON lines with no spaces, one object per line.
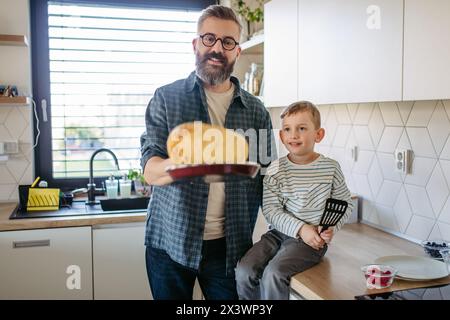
{"x":91,"y":184}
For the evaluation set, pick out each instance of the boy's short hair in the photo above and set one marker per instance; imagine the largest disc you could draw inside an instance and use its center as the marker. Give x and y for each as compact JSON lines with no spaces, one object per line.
{"x":303,"y":106}
{"x":220,"y":12}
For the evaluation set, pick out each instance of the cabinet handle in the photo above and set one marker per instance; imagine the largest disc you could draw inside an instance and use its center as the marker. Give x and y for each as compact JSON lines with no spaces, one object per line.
{"x":32,"y":243}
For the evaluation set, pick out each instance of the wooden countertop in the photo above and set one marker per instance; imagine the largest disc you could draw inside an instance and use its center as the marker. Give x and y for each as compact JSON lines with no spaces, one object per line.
{"x":338,"y":276}
{"x":58,"y":222}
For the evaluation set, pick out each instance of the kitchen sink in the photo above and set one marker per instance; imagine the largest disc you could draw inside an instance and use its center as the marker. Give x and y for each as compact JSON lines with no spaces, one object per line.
{"x":79,"y":208}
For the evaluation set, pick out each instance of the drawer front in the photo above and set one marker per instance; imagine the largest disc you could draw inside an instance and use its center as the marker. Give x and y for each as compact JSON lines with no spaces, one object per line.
{"x":46,"y":264}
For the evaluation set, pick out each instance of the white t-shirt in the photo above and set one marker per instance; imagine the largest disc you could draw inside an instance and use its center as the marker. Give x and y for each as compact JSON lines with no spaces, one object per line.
{"x":218,"y":104}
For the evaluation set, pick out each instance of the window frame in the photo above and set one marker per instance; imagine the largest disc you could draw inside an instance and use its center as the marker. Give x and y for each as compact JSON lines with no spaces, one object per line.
{"x":43,"y":158}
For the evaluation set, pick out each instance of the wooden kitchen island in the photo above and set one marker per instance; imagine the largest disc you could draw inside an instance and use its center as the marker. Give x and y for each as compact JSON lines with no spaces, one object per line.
{"x":339,"y":275}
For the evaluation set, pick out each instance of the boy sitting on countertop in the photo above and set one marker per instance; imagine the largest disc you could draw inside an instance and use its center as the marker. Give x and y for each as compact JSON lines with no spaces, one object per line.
{"x":296,"y":188}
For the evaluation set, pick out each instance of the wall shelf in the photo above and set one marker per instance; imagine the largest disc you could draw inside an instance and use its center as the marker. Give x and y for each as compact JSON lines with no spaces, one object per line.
{"x":15,"y":101}
{"x":13,"y":40}
{"x":253,"y":46}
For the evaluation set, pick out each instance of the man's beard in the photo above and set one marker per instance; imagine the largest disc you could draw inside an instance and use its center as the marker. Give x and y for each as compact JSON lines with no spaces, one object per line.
{"x":213,"y":74}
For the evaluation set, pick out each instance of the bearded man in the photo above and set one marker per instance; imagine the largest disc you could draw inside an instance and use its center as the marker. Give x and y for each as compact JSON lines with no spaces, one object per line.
{"x":197,"y":230}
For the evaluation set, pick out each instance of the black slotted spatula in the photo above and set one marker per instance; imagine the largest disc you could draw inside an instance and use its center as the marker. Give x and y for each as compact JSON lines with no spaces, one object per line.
{"x":333,"y":212}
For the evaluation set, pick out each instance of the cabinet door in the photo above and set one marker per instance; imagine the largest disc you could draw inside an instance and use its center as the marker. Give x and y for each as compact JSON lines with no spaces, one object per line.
{"x":427,"y":50}
{"x":350,"y":51}
{"x":119,"y":262}
{"x":280,"y":53}
{"x":46,"y":264}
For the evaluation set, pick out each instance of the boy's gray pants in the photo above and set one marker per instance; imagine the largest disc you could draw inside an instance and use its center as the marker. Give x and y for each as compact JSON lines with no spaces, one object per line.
{"x":266,"y":269}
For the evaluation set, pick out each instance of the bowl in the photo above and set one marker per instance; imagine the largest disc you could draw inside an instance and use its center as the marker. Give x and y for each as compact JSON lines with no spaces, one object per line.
{"x":432,"y":247}
{"x":379,"y":276}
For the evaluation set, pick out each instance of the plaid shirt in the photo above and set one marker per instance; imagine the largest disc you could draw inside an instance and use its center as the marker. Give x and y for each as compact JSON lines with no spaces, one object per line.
{"x":177,"y":212}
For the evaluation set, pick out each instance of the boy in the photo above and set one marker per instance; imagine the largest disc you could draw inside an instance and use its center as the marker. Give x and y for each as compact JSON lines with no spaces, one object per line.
{"x":296,"y":188}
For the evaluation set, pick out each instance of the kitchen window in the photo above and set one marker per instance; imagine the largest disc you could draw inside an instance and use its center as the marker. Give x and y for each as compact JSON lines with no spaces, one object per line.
{"x":97,"y":64}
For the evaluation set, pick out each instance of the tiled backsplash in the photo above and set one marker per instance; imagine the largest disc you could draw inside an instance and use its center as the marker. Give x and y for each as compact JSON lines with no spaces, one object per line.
{"x":416,"y":205}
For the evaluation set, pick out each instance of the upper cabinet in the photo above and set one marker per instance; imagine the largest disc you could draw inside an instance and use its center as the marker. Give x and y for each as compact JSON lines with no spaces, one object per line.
{"x":426,"y":50}
{"x":328,"y":52}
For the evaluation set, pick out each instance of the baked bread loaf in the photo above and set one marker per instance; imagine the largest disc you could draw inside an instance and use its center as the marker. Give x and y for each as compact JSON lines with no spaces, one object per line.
{"x":201,"y":143}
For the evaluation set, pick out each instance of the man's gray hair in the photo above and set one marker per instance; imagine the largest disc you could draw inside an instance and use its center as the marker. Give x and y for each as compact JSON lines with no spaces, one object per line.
{"x":220,"y":12}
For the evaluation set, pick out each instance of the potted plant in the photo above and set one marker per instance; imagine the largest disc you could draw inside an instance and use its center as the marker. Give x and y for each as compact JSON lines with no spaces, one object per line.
{"x":251,"y":16}
{"x":141,"y":187}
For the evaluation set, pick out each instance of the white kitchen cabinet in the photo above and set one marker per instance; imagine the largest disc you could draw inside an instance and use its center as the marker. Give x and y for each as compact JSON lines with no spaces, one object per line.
{"x":119,"y":262}
{"x":280,"y":53}
{"x":46,"y":264}
{"x":426,"y":50}
{"x":326,"y":51}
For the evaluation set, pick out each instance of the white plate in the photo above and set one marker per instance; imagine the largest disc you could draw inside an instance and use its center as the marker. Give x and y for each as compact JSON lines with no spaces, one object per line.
{"x":415,"y":268}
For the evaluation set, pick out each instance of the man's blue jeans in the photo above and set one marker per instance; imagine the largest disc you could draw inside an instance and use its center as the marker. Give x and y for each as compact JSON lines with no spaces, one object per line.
{"x":170,"y":280}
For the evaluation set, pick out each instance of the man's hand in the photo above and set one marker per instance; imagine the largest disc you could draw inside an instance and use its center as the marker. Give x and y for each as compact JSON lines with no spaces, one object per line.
{"x":311,"y":237}
{"x":155,"y":171}
{"x":327,"y":235}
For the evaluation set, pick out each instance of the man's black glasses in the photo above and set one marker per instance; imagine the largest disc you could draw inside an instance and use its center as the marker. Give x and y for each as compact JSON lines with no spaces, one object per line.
{"x":209,"y":40}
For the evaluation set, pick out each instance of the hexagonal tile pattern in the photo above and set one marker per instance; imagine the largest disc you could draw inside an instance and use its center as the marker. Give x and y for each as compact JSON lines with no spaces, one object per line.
{"x":15,"y":123}
{"x":439,"y":127}
{"x":421,"y":171}
{"x":342,"y":115}
{"x":5,"y":174}
{"x":17,"y":167}
{"x":418,"y":199}
{"x":352,"y":109}
{"x":402,"y":210}
{"x":389,"y":139}
{"x":330,"y":126}
{"x":447,"y":107}
{"x":421,"y":113}
{"x":435,"y":233}
{"x":376,"y":125}
{"x":363,"y":138}
{"x":386,"y":217}
{"x":364,"y":161}
{"x":387,"y":165}
{"x":445,"y":154}
{"x":341,"y":136}
{"x":363,"y":114}
{"x":404,"y":108}
{"x":437,"y":190}
{"x":388,"y":193}
{"x":420,"y":227}
{"x":375,"y":177}
{"x":390,"y":113}
{"x":444,"y":228}
{"x":445,"y":213}
{"x":6,"y":190}
{"x":4,"y":111}
{"x":324,"y":109}
{"x":362,"y":186}
{"x":4,"y":133}
{"x":445,"y":165}
{"x":421,"y":142}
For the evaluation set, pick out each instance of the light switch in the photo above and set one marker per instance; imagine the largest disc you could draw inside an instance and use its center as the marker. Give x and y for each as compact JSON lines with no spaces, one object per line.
{"x":352,"y":153}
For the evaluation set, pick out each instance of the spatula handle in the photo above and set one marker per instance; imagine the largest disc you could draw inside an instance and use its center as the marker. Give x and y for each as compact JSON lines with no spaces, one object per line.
{"x":323,"y":229}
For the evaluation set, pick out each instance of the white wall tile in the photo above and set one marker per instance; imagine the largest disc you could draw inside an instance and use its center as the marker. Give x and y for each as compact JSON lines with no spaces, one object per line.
{"x":447,"y":107}
{"x":4,"y":111}
{"x":404,"y":108}
{"x":386,"y":217}
{"x":367,"y":208}
{"x":6,"y":190}
{"x":362,"y":186}
{"x":388,"y":193}
{"x":421,"y":113}
{"x":435,"y":233}
{"x":338,"y":154}
{"x":421,"y":142}
{"x":404,"y":143}
{"x":445,"y":154}
{"x":6,"y":175}
{"x":15,"y":123}
{"x":364,"y":161}
{"x":375,"y":177}
{"x":363,"y":137}
{"x":363,"y":114}
{"x":444,"y":228}
{"x":437,"y":190}
{"x":420,"y":227}
{"x":342,"y":115}
{"x":439,"y":127}
{"x":352,"y":109}
{"x":421,"y":171}
{"x":27,"y":177}
{"x":390,"y":113}
{"x":445,"y":165}
{"x":17,"y":168}
{"x":418,"y":199}
{"x":387,"y":165}
{"x":402,"y":210}
{"x":4,"y":133}
{"x":341,"y":136}
{"x":324,"y":109}
{"x":376,"y":125}
{"x":445,"y":212}
{"x":330,"y":128}
{"x":389,"y":139}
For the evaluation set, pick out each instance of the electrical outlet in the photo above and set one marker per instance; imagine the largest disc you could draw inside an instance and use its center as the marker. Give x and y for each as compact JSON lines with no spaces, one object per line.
{"x":9,"y":147}
{"x":403,"y":160}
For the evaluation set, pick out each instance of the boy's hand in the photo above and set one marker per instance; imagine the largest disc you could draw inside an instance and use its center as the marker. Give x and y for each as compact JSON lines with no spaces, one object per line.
{"x":310,"y":236}
{"x":327,"y":235}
